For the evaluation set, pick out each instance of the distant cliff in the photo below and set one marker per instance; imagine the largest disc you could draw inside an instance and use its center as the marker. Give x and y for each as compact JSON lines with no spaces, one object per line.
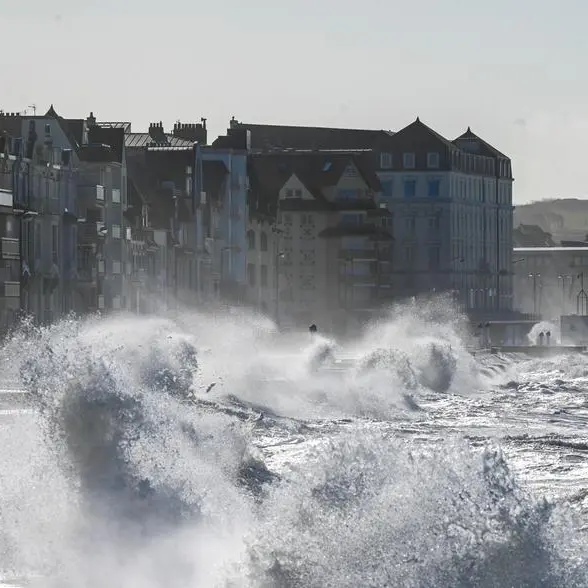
{"x":565,"y":219}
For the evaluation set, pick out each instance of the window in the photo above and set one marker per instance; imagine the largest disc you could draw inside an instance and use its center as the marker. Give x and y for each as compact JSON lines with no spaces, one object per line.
{"x":409,"y":188}
{"x":353,"y":218}
{"x":289,"y":193}
{"x":385,"y":160}
{"x":353,"y":243}
{"x":306,"y":220}
{"x":409,"y":254}
{"x":387,"y":187}
{"x":435,"y":221}
{"x":116,"y":231}
{"x":298,"y":193}
{"x":410,"y":223}
{"x":433,"y":160}
{"x":251,"y":274}
{"x":408,"y":160}
{"x":347,"y":194}
{"x":55,"y":242}
{"x":434,"y":257}
{"x":264,"y":275}
{"x":116,"y":302}
{"x":100,"y":193}
{"x":434,"y":187}
{"x":116,"y":196}
{"x":116,"y":268}
{"x":263,"y":241}
{"x":387,"y":222}
{"x":251,"y":239}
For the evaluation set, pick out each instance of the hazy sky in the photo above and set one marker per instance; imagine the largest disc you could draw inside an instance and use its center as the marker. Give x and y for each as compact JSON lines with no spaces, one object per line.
{"x":515,"y":71}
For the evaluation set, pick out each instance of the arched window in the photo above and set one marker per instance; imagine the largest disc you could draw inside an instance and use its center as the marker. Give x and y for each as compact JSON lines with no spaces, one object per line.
{"x":263,"y":241}
{"x":251,"y":239}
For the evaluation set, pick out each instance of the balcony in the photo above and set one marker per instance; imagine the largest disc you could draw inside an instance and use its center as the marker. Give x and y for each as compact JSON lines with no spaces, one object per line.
{"x":9,"y":248}
{"x":70,"y":203}
{"x":46,"y":205}
{"x":92,"y":196}
{"x":10,"y":289}
{"x":87,"y":274}
{"x":359,"y":254}
{"x":89,"y":232}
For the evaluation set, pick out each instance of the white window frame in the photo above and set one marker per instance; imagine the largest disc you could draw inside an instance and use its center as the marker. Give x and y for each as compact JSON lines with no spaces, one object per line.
{"x":116,"y":267}
{"x":386,"y":160}
{"x":433,"y":160}
{"x":116,"y":196}
{"x":116,"y":231}
{"x":408,"y":160}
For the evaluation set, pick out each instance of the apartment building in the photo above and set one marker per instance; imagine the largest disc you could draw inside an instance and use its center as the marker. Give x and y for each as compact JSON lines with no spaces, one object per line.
{"x":449,"y":202}
{"x":163,"y":216}
{"x":314,"y":236}
{"x":9,"y":263}
{"x":229,"y":215}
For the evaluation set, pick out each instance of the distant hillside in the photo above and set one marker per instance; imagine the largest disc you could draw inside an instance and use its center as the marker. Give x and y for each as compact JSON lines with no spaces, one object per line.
{"x":565,"y":219}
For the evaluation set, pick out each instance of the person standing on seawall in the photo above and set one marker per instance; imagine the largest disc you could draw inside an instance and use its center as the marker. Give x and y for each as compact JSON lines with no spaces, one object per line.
{"x":312,"y":330}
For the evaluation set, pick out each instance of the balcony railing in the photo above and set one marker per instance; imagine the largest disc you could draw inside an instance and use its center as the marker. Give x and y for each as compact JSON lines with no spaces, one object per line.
{"x":87,"y":274}
{"x":70,"y":203}
{"x":9,"y":248}
{"x":358,"y":254}
{"x":10,"y":289}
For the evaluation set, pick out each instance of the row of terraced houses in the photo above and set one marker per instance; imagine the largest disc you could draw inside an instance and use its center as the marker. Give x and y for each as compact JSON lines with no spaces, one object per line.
{"x":296,"y":222}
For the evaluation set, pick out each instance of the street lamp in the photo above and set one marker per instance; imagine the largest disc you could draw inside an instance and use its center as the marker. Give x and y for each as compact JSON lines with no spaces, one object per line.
{"x":563,"y":278}
{"x":581,"y":298}
{"x":22,"y":215}
{"x":225,"y":249}
{"x":279,"y":255}
{"x":534,"y":277}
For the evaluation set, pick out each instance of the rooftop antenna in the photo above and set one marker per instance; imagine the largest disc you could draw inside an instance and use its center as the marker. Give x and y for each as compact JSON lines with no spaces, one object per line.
{"x":33,"y":107}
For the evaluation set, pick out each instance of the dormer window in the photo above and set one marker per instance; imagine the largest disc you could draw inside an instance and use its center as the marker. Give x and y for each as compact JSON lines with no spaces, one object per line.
{"x":433,"y":160}
{"x":408,"y":160}
{"x":386,"y":160}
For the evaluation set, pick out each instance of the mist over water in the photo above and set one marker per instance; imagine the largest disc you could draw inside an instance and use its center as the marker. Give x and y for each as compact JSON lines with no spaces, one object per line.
{"x":215,"y":452}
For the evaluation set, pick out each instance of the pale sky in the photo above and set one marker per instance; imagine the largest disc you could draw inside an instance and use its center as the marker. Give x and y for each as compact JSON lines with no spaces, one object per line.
{"x":515,"y":71}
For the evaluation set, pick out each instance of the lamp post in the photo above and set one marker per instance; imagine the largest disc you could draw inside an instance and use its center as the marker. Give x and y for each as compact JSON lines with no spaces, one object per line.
{"x":279,"y":255}
{"x":581,"y":298}
{"x":22,"y":215}
{"x":224,"y":250}
{"x":534,"y":276}
{"x":563,"y":278}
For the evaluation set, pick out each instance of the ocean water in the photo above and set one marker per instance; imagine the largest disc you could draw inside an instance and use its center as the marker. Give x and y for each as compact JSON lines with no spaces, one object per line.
{"x":201,"y":451}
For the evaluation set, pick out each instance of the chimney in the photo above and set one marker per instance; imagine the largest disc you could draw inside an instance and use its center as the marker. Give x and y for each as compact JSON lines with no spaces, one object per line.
{"x":195,"y":132}
{"x":91,"y":121}
{"x":157,"y":133}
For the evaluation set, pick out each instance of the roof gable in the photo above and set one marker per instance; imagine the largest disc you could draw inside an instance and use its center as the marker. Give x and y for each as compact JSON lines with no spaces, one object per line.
{"x":419,"y":133}
{"x":317,"y":171}
{"x":293,"y":184}
{"x":472,"y":143}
